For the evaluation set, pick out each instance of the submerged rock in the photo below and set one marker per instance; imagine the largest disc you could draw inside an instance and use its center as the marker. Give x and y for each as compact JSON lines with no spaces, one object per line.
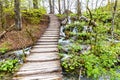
{"x":65,"y":57}
{"x":24,"y":51}
{"x":87,"y":29}
{"x":85,"y":48}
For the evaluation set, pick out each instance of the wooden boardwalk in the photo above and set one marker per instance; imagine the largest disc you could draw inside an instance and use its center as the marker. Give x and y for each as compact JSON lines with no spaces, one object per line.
{"x":43,"y":63}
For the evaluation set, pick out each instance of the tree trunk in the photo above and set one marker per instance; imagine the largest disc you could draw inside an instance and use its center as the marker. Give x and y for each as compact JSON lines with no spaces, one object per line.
{"x":64,"y":3}
{"x":18,"y":22}
{"x":79,"y":8}
{"x":59,"y":6}
{"x":35,"y":4}
{"x":67,"y":4}
{"x":1,"y":11}
{"x":113,"y":18}
{"x":53,"y":9}
{"x":50,"y":5}
{"x":2,"y":16}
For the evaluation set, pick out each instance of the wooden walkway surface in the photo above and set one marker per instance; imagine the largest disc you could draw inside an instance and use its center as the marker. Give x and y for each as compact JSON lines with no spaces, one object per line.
{"x":43,"y":63}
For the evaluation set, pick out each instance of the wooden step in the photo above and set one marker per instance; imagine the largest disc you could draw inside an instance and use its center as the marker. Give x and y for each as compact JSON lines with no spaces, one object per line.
{"x":52,"y":29}
{"x":44,"y":50}
{"x":40,"y":57}
{"x":47,"y":40}
{"x":46,"y":76}
{"x":44,"y":46}
{"x":55,"y":31}
{"x":46,"y":43}
{"x":44,"y":62}
{"x":48,"y":31}
{"x":50,"y":35}
{"x":30,"y":68}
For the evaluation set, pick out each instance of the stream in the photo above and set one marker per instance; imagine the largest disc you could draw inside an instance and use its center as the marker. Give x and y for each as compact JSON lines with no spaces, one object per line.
{"x":19,"y":54}
{"x":65,"y":43}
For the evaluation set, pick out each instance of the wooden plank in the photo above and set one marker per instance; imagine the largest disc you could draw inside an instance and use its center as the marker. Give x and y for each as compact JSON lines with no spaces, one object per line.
{"x":46,"y":76}
{"x":30,"y":68}
{"x":50,"y":35}
{"x":48,"y":40}
{"x":47,"y":43}
{"x":49,"y":31}
{"x":44,"y":50}
{"x":38,"y":71}
{"x":52,"y":29}
{"x":44,"y":46}
{"x":56,"y":31}
{"x":56,"y":27}
{"x":42,"y":57}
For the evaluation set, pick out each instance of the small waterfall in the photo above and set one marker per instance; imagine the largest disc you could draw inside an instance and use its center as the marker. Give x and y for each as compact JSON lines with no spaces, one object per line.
{"x":62,"y":34}
{"x":87,"y":29}
{"x":75,"y":30}
{"x":69,"y":20}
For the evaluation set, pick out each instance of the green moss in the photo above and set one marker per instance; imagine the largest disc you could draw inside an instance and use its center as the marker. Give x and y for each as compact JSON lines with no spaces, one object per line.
{"x":61,"y":16}
{"x":33,"y":16}
{"x":4,"y":47}
{"x":9,"y":12}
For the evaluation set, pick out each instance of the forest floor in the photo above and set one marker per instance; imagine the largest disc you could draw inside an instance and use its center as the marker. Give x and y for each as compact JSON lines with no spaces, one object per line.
{"x":14,"y":40}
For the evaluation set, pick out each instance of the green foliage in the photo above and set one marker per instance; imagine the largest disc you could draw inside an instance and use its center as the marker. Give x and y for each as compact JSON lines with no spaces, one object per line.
{"x":69,"y":28}
{"x":10,"y":12}
{"x":72,"y":64}
{"x":33,"y":15}
{"x":4,"y":47}
{"x":75,"y":48}
{"x":3,"y":50}
{"x":79,"y":25}
{"x":83,"y":36}
{"x":100,"y":62}
{"x":100,"y":15}
{"x":102,"y":59}
{"x":96,"y":63}
{"x":61,"y":16}
{"x":72,"y":15}
{"x":8,"y":65}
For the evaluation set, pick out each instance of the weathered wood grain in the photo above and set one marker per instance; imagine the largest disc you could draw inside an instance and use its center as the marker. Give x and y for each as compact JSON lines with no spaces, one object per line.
{"x":43,"y":63}
{"x":40,"y":57}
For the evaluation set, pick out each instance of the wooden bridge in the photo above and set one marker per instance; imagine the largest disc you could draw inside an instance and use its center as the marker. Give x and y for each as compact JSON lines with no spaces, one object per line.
{"x":43,"y":63}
